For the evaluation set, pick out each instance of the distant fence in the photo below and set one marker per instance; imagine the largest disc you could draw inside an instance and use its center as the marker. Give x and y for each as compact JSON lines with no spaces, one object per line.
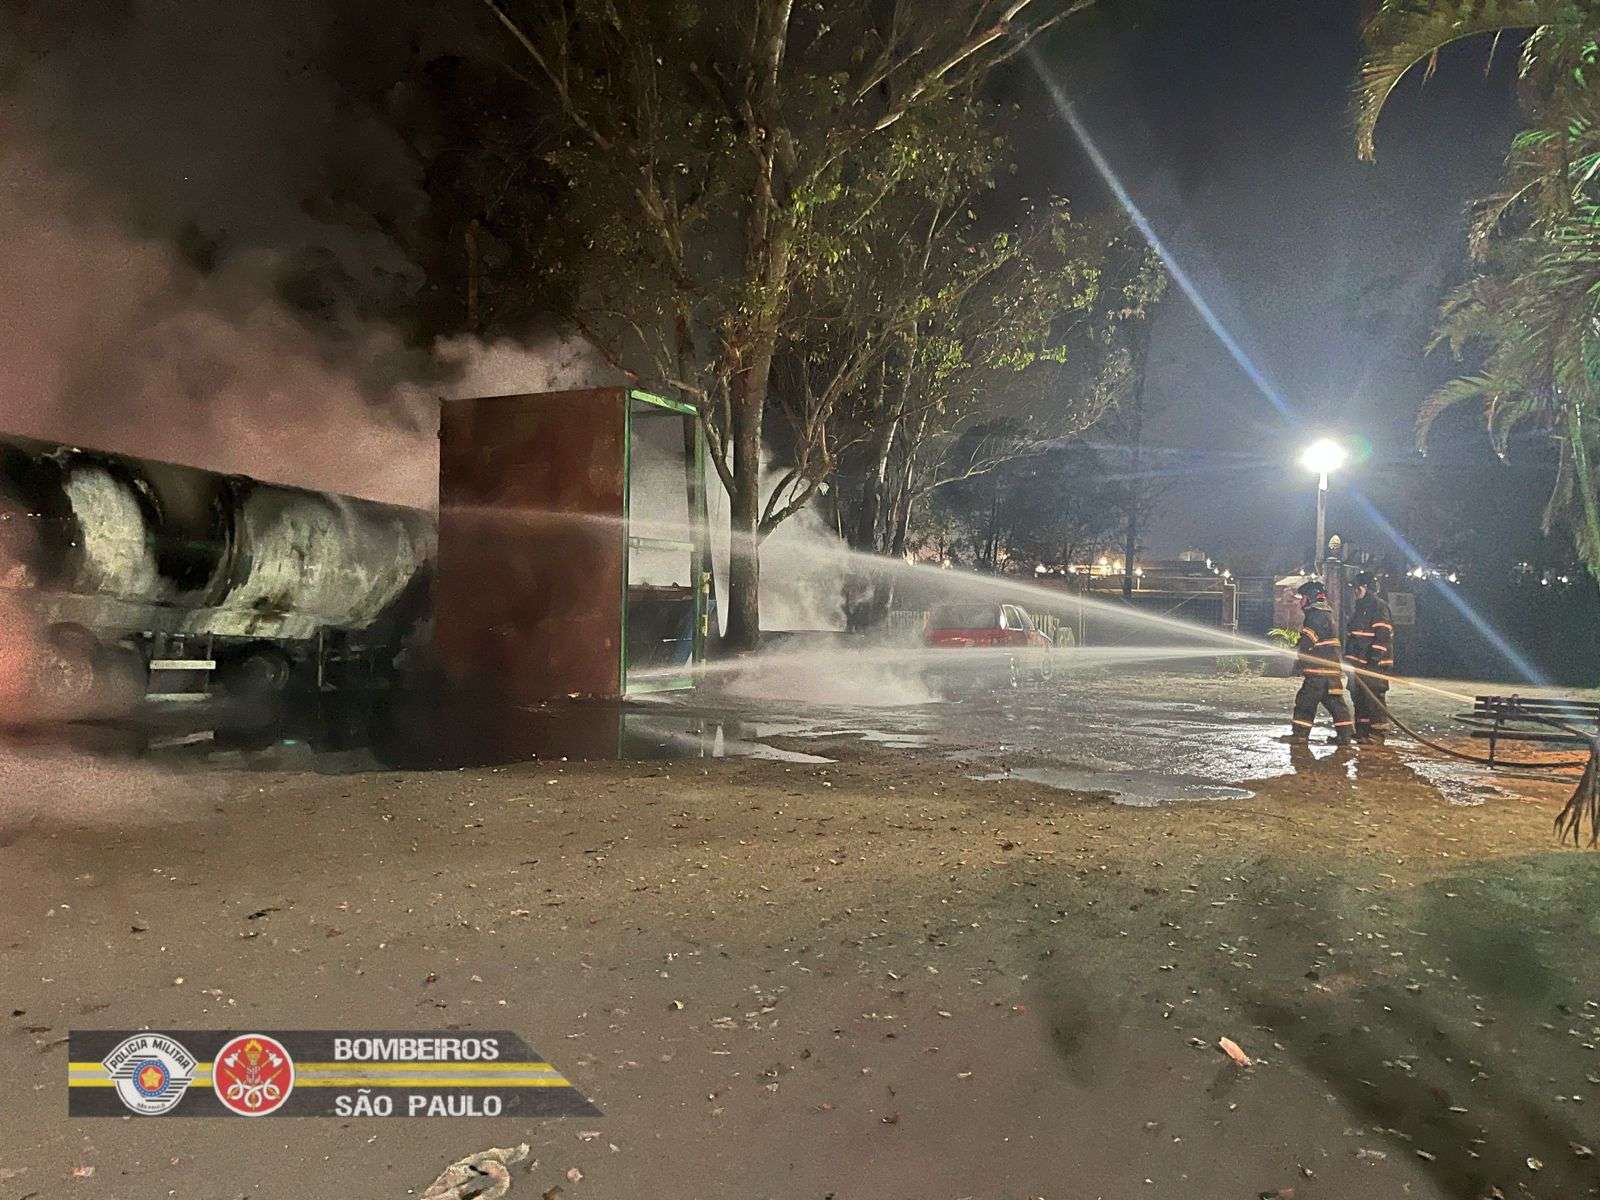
{"x":1102,"y":623}
{"x":1256,"y":605}
{"x":904,"y":625}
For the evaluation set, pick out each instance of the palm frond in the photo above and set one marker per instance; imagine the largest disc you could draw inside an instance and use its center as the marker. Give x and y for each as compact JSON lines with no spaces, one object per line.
{"x":1407,"y":33}
{"x":1503,"y":416}
{"x":1460,"y":390}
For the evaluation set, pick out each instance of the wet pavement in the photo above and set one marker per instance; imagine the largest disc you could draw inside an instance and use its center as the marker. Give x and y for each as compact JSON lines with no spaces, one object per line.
{"x":1137,"y":735}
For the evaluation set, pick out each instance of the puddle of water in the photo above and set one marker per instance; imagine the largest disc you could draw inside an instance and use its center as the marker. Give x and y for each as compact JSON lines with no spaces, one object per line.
{"x":1136,"y":789}
{"x":410,"y":733}
{"x":889,"y":739}
{"x":1461,"y":785}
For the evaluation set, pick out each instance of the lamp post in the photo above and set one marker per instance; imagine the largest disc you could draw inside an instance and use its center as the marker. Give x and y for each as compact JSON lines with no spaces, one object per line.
{"x":1322,"y":458}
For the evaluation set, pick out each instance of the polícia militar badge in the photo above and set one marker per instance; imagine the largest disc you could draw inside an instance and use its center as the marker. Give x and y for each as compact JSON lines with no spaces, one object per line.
{"x":151,"y":1072}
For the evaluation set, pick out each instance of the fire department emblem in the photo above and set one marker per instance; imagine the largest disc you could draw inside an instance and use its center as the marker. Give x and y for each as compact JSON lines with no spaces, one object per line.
{"x":253,"y":1075}
{"x":150,"y":1072}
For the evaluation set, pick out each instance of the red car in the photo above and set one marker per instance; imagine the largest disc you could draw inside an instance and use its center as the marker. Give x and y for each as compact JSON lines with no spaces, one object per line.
{"x":997,"y":627}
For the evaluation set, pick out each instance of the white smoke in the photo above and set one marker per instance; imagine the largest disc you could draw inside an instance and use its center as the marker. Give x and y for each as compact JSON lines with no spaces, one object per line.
{"x":805,"y":568}
{"x":806,"y":572}
{"x":555,"y":363}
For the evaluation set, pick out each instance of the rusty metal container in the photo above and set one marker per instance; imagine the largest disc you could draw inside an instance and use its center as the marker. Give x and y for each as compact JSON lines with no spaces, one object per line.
{"x":572,"y":557}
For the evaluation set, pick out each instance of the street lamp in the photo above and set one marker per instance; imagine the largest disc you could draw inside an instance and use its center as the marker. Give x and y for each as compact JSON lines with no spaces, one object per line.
{"x":1321,"y":458}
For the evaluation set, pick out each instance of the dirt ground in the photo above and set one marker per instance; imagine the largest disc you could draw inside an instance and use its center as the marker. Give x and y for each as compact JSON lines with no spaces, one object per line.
{"x":870,"y":978}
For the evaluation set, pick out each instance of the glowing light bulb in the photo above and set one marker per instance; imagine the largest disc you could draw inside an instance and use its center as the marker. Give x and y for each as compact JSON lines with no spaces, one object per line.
{"x":1323,"y":456}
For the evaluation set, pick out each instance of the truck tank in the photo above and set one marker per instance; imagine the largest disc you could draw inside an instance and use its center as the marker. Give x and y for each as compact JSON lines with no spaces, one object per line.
{"x":150,"y":554}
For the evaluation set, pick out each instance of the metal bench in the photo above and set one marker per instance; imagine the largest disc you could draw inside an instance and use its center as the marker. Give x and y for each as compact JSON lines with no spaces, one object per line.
{"x":1533,"y":719}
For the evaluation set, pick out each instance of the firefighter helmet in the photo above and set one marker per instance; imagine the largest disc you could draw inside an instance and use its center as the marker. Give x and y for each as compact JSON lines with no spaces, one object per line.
{"x":1364,"y":579}
{"x":1312,"y":588}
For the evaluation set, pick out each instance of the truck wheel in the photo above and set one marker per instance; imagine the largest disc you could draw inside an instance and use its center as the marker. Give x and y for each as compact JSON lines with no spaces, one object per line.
{"x":121,"y":675}
{"x":74,"y":641}
{"x":256,"y":674}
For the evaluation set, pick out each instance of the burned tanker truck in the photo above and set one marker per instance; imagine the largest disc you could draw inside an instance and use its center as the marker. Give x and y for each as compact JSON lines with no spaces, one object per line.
{"x":572,"y":559}
{"x":166,"y":581}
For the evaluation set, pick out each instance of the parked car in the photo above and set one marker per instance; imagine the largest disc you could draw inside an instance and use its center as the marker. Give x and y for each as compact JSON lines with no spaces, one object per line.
{"x":1005,"y":629}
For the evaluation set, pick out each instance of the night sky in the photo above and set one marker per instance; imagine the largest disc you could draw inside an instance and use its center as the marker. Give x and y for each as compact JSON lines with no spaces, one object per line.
{"x":264,"y":137}
{"x":1230,"y":124}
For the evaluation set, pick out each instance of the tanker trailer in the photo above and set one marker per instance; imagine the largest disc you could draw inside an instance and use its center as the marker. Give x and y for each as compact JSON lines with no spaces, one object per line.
{"x":166,"y":577}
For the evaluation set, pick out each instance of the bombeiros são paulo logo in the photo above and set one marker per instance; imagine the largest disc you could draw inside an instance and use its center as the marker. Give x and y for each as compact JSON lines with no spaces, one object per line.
{"x":332,"y":1073}
{"x":150,"y":1072}
{"x":253,"y":1075}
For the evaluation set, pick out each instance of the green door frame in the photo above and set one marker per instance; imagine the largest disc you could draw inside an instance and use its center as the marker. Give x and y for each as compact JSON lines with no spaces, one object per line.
{"x":700,"y":555}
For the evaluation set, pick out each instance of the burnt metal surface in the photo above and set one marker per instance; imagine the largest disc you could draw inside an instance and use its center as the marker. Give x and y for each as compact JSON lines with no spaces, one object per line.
{"x":119,"y":544}
{"x":528,"y":598}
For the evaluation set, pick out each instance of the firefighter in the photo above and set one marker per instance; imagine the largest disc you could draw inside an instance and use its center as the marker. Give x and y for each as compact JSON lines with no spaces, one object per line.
{"x":1320,"y":664}
{"x":1370,"y":651}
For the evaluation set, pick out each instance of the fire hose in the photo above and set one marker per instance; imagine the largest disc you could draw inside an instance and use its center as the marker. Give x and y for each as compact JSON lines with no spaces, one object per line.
{"x":1585,"y":801}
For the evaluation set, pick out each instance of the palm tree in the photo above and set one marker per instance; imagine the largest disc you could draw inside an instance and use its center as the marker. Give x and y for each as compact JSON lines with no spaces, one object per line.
{"x":1533,"y":308}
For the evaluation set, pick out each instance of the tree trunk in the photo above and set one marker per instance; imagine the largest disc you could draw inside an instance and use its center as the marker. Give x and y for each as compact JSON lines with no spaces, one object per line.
{"x":744,"y":561}
{"x":473,"y":323}
{"x":768,"y":238}
{"x":870,"y":513}
{"x":991,"y":546}
{"x":905,"y":496}
{"x":900,"y":517}
{"x":872,"y":588}
{"x":1135,"y":481}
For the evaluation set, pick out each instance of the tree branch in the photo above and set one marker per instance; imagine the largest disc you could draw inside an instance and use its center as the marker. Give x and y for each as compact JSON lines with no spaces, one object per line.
{"x":557,"y":81}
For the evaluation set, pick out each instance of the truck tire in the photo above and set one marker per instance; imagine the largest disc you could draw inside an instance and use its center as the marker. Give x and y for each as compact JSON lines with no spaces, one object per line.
{"x":256,"y":674}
